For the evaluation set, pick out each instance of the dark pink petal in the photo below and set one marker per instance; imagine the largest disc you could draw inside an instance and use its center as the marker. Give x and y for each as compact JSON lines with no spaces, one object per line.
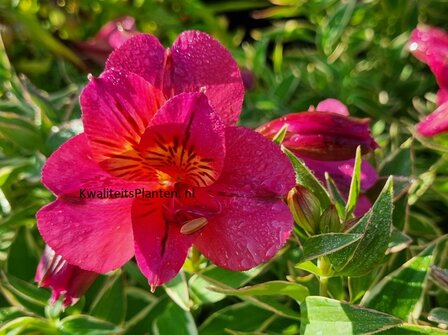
{"x":254,"y":222}
{"x":435,"y":123}
{"x":253,"y":166}
{"x":186,"y":140}
{"x":94,"y":234}
{"x":62,"y":277}
{"x":199,"y":62}
{"x":116,"y":109}
{"x":342,"y":171}
{"x":160,"y":247}
{"x":247,"y":232}
{"x":333,"y":106}
{"x":430,"y":45}
{"x":362,"y":206}
{"x":143,"y":55}
{"x":442,"y":96}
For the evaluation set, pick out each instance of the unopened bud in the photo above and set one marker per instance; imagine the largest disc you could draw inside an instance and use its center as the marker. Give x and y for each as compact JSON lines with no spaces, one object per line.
{"x":329,"y":221}
{"x":305,"y":208}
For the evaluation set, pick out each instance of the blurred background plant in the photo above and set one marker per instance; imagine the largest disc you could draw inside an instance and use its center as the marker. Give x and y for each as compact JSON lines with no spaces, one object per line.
{"x":294,"y":54}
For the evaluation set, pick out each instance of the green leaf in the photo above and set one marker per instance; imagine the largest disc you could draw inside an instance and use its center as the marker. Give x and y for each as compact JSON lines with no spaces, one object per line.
{"x":239,"y":317}
{"x":440,"y":277}
{"x":336,"y":25}
{"x":407,"y":329}
{"x":439,"y":315}
{"x":401,"y":292}
{"x":110,"y":303}
{"x":177,"y":290}
{"x":306,"y":178}
{"x":310,"y":267}
{"x":280,"y":136}
{"x":336,"y":196}
{"x":327,"y":316}
{"x":174,"y":320}
{"x":87,"y":325}
{"x":214,"y":276}
{"x":27,"y":325}
{"x":324,"y":244}
{"x":361,"y":257}
{"x":296,"y":291}
{"x":398,"y":241}
{"x":355,"y":185}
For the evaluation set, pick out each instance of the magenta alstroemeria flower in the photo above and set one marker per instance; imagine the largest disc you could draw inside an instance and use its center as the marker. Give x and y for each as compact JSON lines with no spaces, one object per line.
{"x":340,"y":167}
{"x":63,"y":278}
{"x":109,"y":37}
{"x":322,"y":135}
{"x":134,"y":138}
{"x":430,"y":45}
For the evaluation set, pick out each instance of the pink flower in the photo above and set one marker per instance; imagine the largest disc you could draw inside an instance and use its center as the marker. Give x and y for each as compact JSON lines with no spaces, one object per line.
{"x":430,"y":45}
{"x":135,"y":138}
{"x":330,"y":121}
{"x":322,"y":135}
{"x":109,"y":37}
{"x":62,"y":277}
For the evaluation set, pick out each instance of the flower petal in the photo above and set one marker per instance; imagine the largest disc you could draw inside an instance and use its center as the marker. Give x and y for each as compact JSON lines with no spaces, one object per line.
{"x":144,"y":55}
{"x":333,"y":106}
{"x":93,"y":234}
{"x":201,"y":62}
{"x":186,"y":140}
{"x":116,"y":109}
{"x":160,"y":247}
{"x":246,"y":233}
{"x":435,"y":123}
{"x":342,"y":171}
{"x":430,"y":45}
{"x":253,"y":166}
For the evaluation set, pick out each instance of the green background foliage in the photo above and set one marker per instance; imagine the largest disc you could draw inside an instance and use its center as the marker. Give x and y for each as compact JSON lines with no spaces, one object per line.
{"x":299,"y":52}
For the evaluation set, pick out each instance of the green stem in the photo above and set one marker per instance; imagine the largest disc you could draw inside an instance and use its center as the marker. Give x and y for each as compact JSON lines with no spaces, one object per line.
{"x":324,"y":267}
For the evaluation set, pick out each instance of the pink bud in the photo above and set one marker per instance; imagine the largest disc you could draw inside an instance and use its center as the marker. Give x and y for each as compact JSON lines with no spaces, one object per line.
{"x":322,"y":135}
{"x":63,"y":278}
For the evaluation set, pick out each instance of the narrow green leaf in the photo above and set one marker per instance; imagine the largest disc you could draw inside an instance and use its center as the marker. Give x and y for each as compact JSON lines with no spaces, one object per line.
{"x":239,"y":317}
{"x":324,"y":244}
{"x":177,"y":290}
{"x":398,"y":241}
{"x":401,"y":292}
{"x":439,"y":315}
{"x":27,"y":325}
{"x":306,"y":178}
{"x":310,"y":267}
{"x":440,"y":277}
{"x":280,"y":136}
{"x":361,"y":257}
{"x":355,"y":185}
{"x":336,"y":196}
{"x":110,"y":303}
{"x":296,"y":291}
{"x":407,"y":329}
{"x":174,"y":320}
{"x":87,"y":325}
{"x":327,"y":316}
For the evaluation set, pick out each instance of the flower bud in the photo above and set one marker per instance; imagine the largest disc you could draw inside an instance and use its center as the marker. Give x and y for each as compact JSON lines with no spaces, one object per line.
{"x":322,"y":135}
{"x":305,"y":208}
{"x":329,"y":221}
{"x":62,"y":277}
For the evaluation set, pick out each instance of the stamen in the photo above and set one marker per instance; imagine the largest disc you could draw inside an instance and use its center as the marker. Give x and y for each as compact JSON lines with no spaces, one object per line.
{"x":193,"y":226}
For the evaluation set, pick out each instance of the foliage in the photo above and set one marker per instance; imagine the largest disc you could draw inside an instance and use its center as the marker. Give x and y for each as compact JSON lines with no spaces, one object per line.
{"x":384,"y":273}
